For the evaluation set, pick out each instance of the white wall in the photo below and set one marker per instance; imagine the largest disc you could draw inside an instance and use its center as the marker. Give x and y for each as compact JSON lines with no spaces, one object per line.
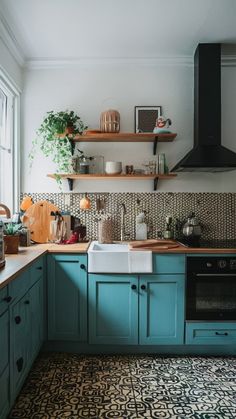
{"x":91,"y":88}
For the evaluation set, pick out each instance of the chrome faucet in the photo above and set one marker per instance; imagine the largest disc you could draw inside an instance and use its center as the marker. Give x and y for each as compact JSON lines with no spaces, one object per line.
{"x":122,"y":223}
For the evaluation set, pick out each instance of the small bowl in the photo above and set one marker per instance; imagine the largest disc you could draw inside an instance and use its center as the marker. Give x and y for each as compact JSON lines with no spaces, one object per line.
{"x":113,"y":167}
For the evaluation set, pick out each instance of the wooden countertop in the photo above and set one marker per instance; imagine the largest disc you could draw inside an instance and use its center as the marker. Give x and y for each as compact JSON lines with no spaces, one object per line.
{"x":27,"y":255}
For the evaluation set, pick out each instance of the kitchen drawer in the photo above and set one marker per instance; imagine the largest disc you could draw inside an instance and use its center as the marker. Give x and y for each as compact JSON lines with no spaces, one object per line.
{"x":169,"y":264}
{"x":19,"y":286}
{"x":36,"y":270}
{"x":4,"y":299}
{"x":210,"y":333}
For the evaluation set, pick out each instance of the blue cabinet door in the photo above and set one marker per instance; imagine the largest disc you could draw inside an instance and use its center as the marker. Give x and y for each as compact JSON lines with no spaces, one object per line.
{"x":113,"y":309}
{"x":20,"y":343}
{"x":67,"y":297}
{"x":161,"y":309}
{"x":36,"y":318}
{"x":4,"y":365}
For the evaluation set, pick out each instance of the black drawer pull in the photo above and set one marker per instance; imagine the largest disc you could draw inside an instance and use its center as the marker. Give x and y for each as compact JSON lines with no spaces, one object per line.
{"x":19,"y":364}
{"x":82,"y":266}
{"x":27,"y":301}
{"x":143,"y":287}
{"x":133,"y":287}
{"x":39,"y":268}
{"x":222,"y":334}
{"x":18,"y":319}
{"x":7,"y":299}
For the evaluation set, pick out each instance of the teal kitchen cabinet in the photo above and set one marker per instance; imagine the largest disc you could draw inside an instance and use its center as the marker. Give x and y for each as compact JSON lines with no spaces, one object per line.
{"x":139,"y":309}
{"x":26,"y":325}
{"x":67,"y":297}
{"x":113,"y":309}
{"x":211,"y":333}
{"x":161,"y":309}
{"x":4,"y":363}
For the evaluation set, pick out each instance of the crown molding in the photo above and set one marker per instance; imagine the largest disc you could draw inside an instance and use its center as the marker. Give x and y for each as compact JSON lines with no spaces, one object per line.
{"x":10,"y":42}
{"x":61,"y":63}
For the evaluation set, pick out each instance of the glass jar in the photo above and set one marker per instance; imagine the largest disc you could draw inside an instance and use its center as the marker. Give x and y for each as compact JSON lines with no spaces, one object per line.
{"x":96,"y":166}
{"x":84,"y":166}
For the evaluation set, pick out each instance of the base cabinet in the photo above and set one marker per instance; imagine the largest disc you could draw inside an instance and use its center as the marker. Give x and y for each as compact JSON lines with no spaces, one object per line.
{"x":113,"y":309}
{"x":67,"y":297}
{"x":26,"y":328}
{"x":128,"y":309}
{"x":4,"y":365}
{"x":161,"y":309}
{"x":211,"y":333}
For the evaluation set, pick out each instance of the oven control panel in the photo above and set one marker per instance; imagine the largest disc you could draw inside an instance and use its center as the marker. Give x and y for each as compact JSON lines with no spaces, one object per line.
{"x":212,"y":264}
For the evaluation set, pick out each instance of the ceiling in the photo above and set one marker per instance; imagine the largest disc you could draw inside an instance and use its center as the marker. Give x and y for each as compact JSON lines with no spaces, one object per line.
{"x":98,"y":29}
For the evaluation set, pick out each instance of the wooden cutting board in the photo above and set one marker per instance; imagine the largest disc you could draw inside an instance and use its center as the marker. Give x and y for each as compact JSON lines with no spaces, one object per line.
{"x":37,"y":218}
{"x":153,"y":244}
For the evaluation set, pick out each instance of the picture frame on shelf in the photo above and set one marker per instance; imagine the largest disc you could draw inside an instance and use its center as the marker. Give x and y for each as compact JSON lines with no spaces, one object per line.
{"x":145,"y":118}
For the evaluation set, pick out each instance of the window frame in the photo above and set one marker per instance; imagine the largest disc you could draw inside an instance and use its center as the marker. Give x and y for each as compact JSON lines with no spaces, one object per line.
{"x":9,"y":88}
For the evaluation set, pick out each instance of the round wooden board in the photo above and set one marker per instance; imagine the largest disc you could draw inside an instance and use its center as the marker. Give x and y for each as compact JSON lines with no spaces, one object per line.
{"x":37,"y":218}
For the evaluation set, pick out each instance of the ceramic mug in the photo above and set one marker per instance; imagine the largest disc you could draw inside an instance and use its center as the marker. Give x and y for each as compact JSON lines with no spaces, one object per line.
{"x":113,"y":167}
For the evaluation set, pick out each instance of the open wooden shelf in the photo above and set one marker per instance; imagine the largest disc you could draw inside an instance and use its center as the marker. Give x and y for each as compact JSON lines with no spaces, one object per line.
{"x":76,"y":176}
{"x":126,"y":137}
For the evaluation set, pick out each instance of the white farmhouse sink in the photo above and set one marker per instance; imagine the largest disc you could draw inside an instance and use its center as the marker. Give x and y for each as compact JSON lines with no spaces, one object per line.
{"x":117,"y":258}
{"x":111,"y":258}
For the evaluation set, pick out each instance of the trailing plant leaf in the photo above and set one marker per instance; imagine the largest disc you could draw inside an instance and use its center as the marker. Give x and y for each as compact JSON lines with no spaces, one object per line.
{"x":55,"y":142}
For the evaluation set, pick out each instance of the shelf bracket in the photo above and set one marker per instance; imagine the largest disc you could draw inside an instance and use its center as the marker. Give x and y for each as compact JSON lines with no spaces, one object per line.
{"x":70,"y":183}
{"x":155,"y":145}
{"x":155,"y":183}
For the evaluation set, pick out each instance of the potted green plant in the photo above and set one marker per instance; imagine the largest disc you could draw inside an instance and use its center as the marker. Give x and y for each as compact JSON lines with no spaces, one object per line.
{"x":11,"y":237}
{"x":54,"y":138}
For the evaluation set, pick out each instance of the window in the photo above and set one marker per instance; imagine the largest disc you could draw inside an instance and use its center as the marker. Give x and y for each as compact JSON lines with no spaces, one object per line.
{"x":9,"y":167}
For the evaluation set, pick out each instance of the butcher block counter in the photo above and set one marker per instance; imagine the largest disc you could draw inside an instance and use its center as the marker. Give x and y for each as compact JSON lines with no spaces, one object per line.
{"x":27,"y":255}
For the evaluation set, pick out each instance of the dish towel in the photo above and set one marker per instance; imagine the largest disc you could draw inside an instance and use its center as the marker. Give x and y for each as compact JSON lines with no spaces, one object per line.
{"x":140,"y":261}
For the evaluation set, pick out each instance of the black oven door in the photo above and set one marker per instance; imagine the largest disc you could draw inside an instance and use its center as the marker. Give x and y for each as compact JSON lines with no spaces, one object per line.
{"x":211,"y":296}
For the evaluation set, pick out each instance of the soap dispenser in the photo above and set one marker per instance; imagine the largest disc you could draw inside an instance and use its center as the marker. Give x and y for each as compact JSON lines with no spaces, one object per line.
{"x":140,"y":227}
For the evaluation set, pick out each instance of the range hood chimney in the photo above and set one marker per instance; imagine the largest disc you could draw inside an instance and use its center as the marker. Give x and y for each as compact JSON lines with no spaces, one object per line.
{"x":207,"y":155}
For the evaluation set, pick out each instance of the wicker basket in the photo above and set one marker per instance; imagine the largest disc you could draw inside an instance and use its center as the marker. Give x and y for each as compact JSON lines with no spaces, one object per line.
{"x":105,"y":231}
{"x":110,"y":121}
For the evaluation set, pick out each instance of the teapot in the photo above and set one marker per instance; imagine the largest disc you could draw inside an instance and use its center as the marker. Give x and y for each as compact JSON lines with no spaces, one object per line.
{"x":192,"y":229}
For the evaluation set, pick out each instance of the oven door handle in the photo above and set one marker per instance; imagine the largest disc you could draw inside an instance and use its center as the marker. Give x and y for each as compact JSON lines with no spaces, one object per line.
{"x":230,"y":275}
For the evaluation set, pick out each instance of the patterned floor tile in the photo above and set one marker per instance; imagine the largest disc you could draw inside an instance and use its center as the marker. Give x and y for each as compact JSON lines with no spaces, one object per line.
{"x":135,"y":386}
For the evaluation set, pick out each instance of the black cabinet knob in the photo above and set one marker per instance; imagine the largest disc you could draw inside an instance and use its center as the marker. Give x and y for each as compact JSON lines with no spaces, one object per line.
{"x":143,"y":287}
{"x":221,"y":334}
{"x":39,"y":268}
{"x":19,"y":364}
{"x":82,"y":266}
{"x":27,"y":301}
{"x":133,"y":287}
{"x":7,"y":299}
{"x":18,"y":319}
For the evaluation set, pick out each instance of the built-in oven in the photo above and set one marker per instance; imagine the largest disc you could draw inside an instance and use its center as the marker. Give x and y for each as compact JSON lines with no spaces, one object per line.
{"x":211,"y":288}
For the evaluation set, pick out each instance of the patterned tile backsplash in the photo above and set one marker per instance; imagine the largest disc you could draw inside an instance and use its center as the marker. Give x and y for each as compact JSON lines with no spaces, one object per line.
{"x":215,"y":211}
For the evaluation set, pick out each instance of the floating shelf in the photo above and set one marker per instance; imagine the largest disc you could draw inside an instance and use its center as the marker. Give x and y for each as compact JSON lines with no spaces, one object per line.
{"x":126,"y":137}
{"x":74,"y":176}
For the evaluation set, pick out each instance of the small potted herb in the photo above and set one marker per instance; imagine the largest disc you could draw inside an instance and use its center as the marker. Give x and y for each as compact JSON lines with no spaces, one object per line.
{"x":11,"y":233}
{"x":54,"y":138}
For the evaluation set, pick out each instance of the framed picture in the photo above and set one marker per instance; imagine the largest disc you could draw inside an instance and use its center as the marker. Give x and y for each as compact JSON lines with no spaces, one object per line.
{"x":145,"y":118}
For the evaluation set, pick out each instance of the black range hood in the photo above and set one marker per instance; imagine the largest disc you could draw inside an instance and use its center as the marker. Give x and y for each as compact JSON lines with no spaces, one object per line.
{"x":207,"y":155}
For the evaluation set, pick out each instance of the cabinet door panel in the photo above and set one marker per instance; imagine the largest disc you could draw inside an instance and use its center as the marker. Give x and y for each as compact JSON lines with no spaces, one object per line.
{"x":20,"y":343}
{"x":113,"y":309}
{"x":4,"y":393}
{"x":36,"y":317}
{"x":4,"y":341}
{"x":67,"y":297}
{"x":162,"y":309}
